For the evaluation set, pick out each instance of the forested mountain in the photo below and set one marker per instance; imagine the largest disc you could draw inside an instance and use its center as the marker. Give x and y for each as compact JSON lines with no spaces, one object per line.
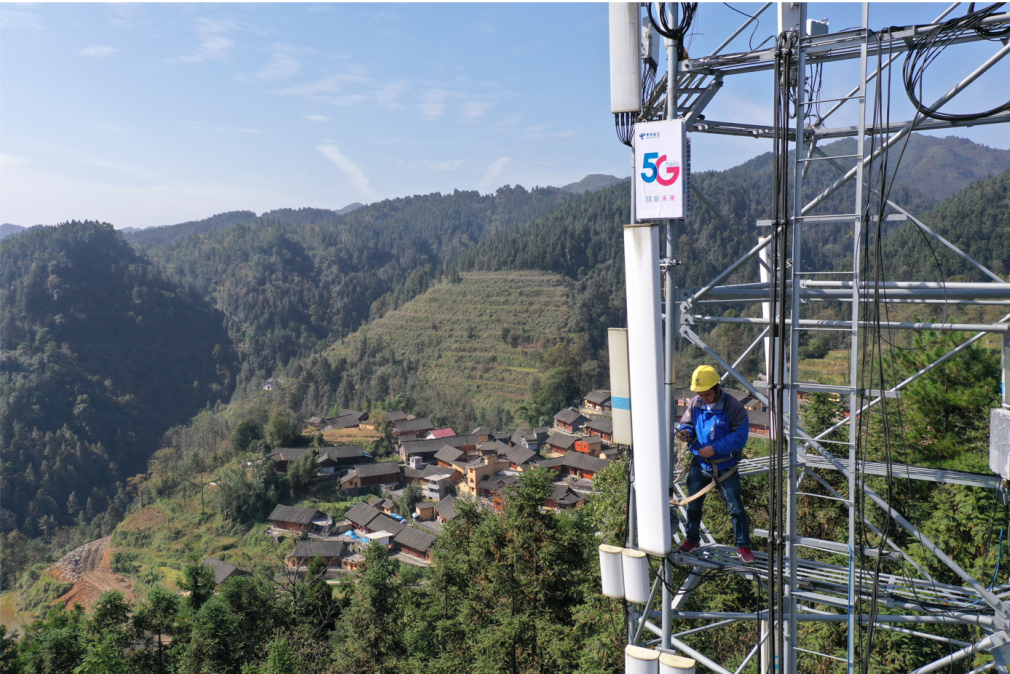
{"x":291,"y":279}
{"x":7,"y":229}
{"x":159,"y":236}
{"x":592,"y":182}
{"x":100,"y":356}
{"x":976,"y":220}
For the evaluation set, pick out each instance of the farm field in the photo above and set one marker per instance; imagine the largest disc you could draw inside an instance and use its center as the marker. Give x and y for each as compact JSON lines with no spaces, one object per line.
{"x":484,"y":333}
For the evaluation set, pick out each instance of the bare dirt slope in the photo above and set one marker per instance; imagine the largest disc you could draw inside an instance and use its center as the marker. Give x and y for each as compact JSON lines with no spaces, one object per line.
{"x":88,"y":568}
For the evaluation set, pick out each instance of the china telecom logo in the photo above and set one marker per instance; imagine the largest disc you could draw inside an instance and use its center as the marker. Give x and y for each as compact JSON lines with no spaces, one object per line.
{"x":652,"y":162}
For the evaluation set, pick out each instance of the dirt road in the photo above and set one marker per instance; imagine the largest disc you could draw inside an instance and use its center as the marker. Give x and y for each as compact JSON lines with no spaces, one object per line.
{"x":88,"y":568}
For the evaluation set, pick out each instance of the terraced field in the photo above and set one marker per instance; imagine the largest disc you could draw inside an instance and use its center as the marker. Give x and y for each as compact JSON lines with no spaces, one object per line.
{"x":483,"y":333}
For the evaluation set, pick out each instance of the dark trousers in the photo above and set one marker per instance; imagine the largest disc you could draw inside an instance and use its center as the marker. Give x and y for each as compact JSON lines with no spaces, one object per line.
{"x":732,"y":493}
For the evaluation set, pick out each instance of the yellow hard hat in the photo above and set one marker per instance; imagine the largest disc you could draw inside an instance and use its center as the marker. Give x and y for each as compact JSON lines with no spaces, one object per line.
{"x":704,"y":378}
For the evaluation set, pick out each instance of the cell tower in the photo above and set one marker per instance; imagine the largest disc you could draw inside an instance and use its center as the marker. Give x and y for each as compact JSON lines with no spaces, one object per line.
{"x":799,"y":589}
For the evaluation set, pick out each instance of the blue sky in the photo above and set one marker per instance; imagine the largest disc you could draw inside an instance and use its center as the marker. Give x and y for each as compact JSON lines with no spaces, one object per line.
{"x":153,"y":114}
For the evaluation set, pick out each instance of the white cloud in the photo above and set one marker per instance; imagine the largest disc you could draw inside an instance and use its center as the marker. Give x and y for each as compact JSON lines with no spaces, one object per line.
{"x":99,"y":50}
{"x":214,"y":46}
{"x":13,"y":19}
{"x":354,"y":174}
{"x":433,"y":103}
{"x":117,"y":166}
{"x":317,"y":118}
{"x":12,"y":160}
{"x":282,"y":66}
{"x":545,"y":131}
{"x":474,"y":109}
{"x":227,"y":129}
{"x":328,"y":85}
{"x":492,"y":174}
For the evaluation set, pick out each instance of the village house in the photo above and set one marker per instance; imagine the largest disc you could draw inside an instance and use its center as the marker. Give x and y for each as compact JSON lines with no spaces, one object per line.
{"x":223,"y":570}
{"x":314,"y":422}
{"x":445,"y":510}
{"x":396,"y":415}
{"x":334,"y":459}
{"x":601,"y":427}
{"x":426,"y":448}
{"x":414,"y":543}
{"x":447,"y":455}
{"x":483,"y":434}
{"x":310,"y":520}
{"x":564,"y":498}
{"x":596,"y":402}
{"x":559,"y":444}
{"x":346,"y":419}
{"x":760,"y":423}
{"x":521,"y":459}
{"x":383,"y":505}
{"x":576,"y":465}
{"x":432,"y":478}
{"x":477,"y":469}
{"x":361,"y":514}
{"x":285,"y":455}
{"x":569,"y":420}
{"x":530,"y":438}
{"x":589,"y":444}
{"x":436,"y":487}
{"x":438,"y":433}
{"x":371,"y":474}
{"x":496,"y":487}
{"x":306,"y":551}
{"x":383,"y":523}
{"x":417,"y":427}
{"x":424,"y":511}
{"x":492,"y":448}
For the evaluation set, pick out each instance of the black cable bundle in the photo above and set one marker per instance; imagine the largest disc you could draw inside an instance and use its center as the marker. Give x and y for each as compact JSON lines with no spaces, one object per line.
{"x":927,"y":47}
{"x":779,"y":250}
{"x":675,"y":33}
{"x":624,"y":122}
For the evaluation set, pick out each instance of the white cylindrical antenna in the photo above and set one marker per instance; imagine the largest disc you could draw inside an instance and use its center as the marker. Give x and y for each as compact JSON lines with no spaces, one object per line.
{"x":635,"y":568}
{"x":645,"y":362}
{"x":638,"y":660}
{"x":620,"y":384}
{"x":675,"y":664}
{"x":612,"y":571}
{"x":625,"y":72}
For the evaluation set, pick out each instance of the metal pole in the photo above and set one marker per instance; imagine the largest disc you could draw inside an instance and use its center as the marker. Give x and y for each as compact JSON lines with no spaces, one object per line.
{"x":672,"y":68}
{"x":812,"y":323}
{"x":792,"y":633}
{"x":632,"y":513}
{"x":945,"y":242}
{"x":746,"y":352}
{"x":944,"y":662}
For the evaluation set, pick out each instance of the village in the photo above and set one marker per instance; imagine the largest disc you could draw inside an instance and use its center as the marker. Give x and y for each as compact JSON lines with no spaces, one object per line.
{"x":444,"y":466}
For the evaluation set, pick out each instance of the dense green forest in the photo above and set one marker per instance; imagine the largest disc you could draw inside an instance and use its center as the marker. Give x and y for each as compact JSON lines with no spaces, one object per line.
{"x":101,"y":355}
{"x":976,"y":220}
{"x":285,"y":285}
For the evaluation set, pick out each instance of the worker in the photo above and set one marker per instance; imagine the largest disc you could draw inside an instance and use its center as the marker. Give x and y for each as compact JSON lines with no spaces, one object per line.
{"x":715,"y":427}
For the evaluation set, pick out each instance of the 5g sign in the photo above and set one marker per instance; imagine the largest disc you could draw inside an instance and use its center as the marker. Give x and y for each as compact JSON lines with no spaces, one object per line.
{"x":659,"y":156}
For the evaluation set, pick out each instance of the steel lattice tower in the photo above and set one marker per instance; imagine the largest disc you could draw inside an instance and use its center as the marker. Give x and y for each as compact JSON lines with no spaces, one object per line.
{"x":815,"y":591}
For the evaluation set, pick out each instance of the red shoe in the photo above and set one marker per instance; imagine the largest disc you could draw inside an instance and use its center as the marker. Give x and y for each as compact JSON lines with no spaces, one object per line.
{"x":746,"y":555}
{"x":688,"y":546}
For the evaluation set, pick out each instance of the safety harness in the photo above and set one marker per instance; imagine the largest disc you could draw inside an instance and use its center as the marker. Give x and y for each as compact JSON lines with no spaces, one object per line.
{"x":717,"y":479}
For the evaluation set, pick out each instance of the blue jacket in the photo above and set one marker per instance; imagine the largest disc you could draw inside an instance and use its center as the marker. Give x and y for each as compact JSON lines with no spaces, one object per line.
{"x":723,"y":425}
